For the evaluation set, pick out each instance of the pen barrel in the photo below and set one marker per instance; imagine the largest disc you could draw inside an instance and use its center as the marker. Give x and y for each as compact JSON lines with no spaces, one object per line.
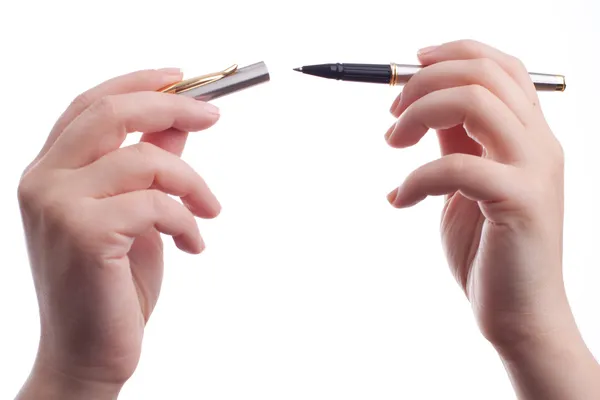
{"x":362,"y":73}
{"x":401,"y":73}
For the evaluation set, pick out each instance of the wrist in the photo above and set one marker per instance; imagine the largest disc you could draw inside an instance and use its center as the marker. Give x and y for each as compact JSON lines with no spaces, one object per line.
{"x":528,"y":321}
{"x":552,"y":343}
{"x":50,"y":383}
{"x":555,"y":367}
{"x":551,"y":362}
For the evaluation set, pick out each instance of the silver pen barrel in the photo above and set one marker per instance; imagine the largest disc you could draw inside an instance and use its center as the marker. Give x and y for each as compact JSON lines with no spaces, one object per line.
{"x":401,"y":73}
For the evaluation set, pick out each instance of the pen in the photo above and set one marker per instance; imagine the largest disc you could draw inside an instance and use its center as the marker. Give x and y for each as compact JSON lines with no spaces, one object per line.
{"x":398,"y":74}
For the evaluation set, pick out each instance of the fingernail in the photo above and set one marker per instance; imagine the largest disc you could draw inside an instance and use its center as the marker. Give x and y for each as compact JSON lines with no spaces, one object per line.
{"x":392,"y":196}
{"x":201,"y":246}
{"x":426,"y":50}
{"x":210,"y":108}
{"x":171,"y":71}
{"x":395,"y":103}
{"x":390,"y":132}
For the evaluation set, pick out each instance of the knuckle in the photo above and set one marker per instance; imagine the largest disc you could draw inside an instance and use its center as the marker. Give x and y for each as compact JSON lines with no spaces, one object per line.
{"x":455,"y":165}
{"x":44,"y":200}
{"x":475,"y":94}
{"x":36,"y":186}
{"x":105,"y":107}
{"x":488,"y":67}
{"x":28,"y":189}
{"x":156,"y":201}
{"x":516,"y":64}
{"x":145,"y":157}
{"x":82,"y":101}
{"x":485,"y":63}
{"x":145,"y":149}
{"x":469,"y":46}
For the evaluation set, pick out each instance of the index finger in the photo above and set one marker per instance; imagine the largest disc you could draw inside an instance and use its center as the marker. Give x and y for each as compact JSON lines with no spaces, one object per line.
{"x":471,"y":49}
{"x":143,"y":80}
{"x":102,"y":128}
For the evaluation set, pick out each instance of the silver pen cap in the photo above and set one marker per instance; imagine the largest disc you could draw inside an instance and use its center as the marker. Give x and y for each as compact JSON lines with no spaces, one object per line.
{"x":215,"y":85}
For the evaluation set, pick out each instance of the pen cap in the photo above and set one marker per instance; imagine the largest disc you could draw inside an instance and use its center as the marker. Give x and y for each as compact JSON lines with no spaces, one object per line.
{"x":243,"y":78}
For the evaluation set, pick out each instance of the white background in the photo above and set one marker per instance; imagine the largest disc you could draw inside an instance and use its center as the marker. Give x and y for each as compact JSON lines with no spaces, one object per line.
{"x":312,"y":286}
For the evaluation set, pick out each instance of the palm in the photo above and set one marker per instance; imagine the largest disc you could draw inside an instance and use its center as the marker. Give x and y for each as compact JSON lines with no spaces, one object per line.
{"x":462,"y":223}
{"x":140,"y":276}
{"x":146,"y":263}
{"x":462,"y":219}
{"x":132,"y":285}
{"x":146,"y":253}
{"x":481,"y":254}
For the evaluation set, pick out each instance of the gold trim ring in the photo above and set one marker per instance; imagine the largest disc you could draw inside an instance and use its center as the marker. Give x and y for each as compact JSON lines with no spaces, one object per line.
{"x":394,"y":77}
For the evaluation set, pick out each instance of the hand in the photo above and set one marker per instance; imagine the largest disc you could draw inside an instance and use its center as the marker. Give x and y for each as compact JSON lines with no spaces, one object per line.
{"x":501,"y":171}
{"x":93,"y":212}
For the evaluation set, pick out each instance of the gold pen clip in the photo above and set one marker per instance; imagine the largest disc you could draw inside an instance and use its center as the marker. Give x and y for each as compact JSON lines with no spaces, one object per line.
{"x":189,"y":84}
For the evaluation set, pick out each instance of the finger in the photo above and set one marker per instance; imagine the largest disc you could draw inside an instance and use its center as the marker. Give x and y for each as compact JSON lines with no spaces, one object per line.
{"x":452,"y":140}
{"x":132,"y":82}
{"x":144,"y":166}
{"x":171,"y":140}
{"x":456,"y":140}
{"x":135,"y":213}
{"x":486,"y":119}
{"x":470,"y":49}
{"x":395,"y":104}
{"x":103,"y":127}
{"x":483,"y":72}
{"x":476,"y":178}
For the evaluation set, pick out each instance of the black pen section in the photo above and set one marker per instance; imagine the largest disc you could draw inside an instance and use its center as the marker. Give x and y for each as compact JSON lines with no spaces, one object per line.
{"x":370,"y":73}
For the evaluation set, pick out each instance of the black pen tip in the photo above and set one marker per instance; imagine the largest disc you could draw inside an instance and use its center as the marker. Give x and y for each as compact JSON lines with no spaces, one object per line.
{"x":299,"y":69}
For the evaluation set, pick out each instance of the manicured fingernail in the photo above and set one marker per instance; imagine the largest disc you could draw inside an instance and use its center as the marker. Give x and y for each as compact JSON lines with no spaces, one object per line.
{"x":210,"y":108}
{"x":171,"y":71}
{"x":395,"y":103}
{"x":392,"y":196}
{"x":426,"y":50}
{"x":390,"y":132}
